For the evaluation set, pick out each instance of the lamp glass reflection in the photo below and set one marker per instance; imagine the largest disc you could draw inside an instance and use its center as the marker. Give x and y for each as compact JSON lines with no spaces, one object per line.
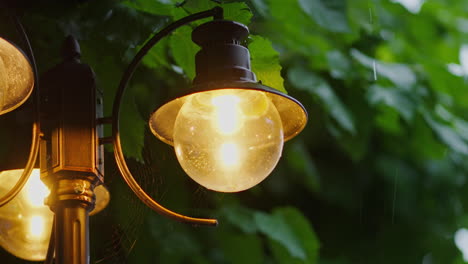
{"x":16,"y":77}
{"x":25,"y":223}
{"x":228,"y":140}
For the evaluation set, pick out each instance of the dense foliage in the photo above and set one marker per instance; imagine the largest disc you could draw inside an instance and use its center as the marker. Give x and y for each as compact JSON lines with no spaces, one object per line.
{"x":378,"y":175}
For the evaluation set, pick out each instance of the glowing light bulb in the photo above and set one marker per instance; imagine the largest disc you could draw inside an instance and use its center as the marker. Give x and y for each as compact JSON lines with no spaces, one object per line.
{"x":25,"y":222}
{"x":37,"y":226}
{"x":229,"y":154}
{"x":227,"y":113}
{"x":228,"y":140}
{"x":36,"y":190}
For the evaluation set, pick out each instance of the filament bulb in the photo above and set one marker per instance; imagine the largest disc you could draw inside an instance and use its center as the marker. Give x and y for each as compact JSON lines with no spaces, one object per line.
{"x":228,"y":140}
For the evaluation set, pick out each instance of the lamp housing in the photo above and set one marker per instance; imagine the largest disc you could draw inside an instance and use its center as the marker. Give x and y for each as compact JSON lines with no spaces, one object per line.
{"x":237,"y":158}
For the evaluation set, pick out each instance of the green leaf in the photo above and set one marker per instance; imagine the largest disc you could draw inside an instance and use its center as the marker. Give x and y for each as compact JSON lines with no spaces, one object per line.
{"x":239,"y":12}
{"x":265,"y":63}
{"x":339,"y":65}
{"x":447,"y":135}
{"x":400,"y":74}
{"x":299,"y":34}
{"x":184,"y":50}
{"x":309,"y":82}
{"x":388,"y":119}
{"x":155,"y":7}
{"x":391,"y":97}
{"x":157,"y":57}
{"x":330,"y":14}
{"x":132,"y":129}
{"x":424,"y":144}
{"x":240,"y":217}
{"x":441,"y":80}
{"x":260,"y":6}
{"x":290,"y":229}
{"x":301,"y":162}
{"x":242,"y":248}
{"x":236,"y":11}
{"x":276,"y":228}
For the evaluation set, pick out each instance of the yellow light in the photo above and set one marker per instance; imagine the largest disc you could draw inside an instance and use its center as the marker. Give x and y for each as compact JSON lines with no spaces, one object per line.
{"x":229,"y":154}
{"x":36,"y":190}
{"x":25,"y":222}
{"x":227,"y":113}
{"x":228,"y":140}
{"x":16,"y":77}
{"x":37,"y":226}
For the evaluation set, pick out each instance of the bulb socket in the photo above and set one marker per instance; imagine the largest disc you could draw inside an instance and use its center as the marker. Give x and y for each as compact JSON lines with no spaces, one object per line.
{"x":222,"y":56}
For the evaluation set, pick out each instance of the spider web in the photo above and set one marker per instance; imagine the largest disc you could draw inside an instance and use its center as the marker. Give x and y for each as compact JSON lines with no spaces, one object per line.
{"x":123,"y":227}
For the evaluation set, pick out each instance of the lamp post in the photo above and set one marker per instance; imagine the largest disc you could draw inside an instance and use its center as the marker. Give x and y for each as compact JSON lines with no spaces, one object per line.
{"x":227,"y":131}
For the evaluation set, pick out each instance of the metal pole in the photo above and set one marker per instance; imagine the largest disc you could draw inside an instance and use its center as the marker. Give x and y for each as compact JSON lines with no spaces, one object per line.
{"x":71,"y":234}
{"x":70,"y":153}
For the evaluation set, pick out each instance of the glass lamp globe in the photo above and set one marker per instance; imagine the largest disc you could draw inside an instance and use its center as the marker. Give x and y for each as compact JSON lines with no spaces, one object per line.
{"x":25,"y":222}
{"x":16,"y":77}
{"x":228,"y":140}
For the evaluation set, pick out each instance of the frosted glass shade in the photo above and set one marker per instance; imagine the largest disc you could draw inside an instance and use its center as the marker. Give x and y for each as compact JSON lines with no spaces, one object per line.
{"x":228,"y":140}
{"x":25,"y":222}
{"x":16,"y":77}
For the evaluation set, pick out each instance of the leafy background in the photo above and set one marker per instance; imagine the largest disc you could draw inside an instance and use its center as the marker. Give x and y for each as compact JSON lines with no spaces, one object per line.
{"x":378,"y":175}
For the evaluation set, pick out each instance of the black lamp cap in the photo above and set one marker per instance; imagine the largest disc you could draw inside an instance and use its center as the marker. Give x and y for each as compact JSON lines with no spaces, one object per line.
{"x":222,"y":57}
{"x":220,"y":31}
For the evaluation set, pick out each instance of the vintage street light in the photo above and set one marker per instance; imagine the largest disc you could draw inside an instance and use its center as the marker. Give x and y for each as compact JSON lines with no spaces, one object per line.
{"x":227,"y":131}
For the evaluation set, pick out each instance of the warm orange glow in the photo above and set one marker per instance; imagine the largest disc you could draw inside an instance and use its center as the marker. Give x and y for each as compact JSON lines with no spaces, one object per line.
{"x":25,"y":222}
{"x":37,"y":227}
{"x":228,"y":140}
{"x":228,"y":116}
{"x":16,"y":77}
{"x":229,"y":153}
{"x":36,"y":190}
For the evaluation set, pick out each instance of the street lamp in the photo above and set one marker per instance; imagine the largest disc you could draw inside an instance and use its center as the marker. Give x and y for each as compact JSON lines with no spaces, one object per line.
{"x":227,"y":131}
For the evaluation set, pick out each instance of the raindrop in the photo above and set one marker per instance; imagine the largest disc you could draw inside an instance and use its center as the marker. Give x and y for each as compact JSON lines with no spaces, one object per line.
{"x":374,"y":68}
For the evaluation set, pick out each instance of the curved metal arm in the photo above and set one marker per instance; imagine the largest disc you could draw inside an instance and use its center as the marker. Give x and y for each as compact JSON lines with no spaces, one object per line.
{"x":35,"y":127}
{"x":120,"y":159}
